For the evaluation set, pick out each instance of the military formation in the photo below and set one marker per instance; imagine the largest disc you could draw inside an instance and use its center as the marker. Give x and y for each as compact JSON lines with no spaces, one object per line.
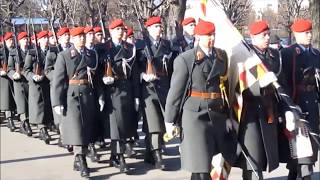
{"x":88,"y":88}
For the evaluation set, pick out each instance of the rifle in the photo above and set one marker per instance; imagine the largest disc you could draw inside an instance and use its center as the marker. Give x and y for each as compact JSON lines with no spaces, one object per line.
{"x":28,"y":32}
{"x":55,"y":36}
{"x":18,"y":52}
{"x":4,"y":64}
{"x":38,"y":70}
{"x":147,"y":48}
{"x":108,"y":67}
{"x":102,"y":24}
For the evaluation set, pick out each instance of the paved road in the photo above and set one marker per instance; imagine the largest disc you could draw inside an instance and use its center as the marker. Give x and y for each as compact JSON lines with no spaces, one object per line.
{"x":24,"y":158}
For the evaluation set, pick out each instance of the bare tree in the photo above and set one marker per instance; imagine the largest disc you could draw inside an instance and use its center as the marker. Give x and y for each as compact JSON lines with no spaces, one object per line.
{"x":9,"y":8}
{"x":237,"y":10}
{"x":315,"y":14}
{"x":290,"y":10}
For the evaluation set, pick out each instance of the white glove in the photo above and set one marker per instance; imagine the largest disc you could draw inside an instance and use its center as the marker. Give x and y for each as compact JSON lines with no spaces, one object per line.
{"x":145,"y":77}
{"x":101,"y":103}
{"x":58,"y":109}
{"x":16,"y":76}
{"x":108,"y":80}
{"x":3,"y":73}
{"x":169,"y":129}
{"x":290,"y":122}
{"x":229,"y":125}
{"x":35,"y":78}
{"x":152,"y":77}
{"x":136,"y":104}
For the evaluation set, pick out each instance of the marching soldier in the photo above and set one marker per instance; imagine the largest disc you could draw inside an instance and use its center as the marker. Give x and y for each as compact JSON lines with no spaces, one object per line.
{"x":90,"y":40}
{"x":75,"y":99}
{"x":120,"y":91}
{"x":186,"y":42}
{"x":301,"y":64}
{"x":52,"y":40}
{"x":6,"y":90}
{"x":20,"y":84}
{"x":98,"y":35}
{"x":40,"y":111}
{"x":155,"y":82}
{"x":196,"y":80}
{"x":63,"y":36}
{"x":258,"y":131}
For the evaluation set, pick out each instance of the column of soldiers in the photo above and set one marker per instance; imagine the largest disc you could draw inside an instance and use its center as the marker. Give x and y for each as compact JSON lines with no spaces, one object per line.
{"x":95,"y":88}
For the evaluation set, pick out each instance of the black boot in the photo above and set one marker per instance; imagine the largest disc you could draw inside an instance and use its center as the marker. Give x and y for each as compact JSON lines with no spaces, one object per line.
{"x":25,"y":128}
{"x":158,"y":159}
{"x":148,"y":157}
{"x":76,"y":163}
{"x":44,"y":135}
{"x":129,"y":149}
{"x":123,"y":165}
{"x":11,"y":125}
{"x":292,"y":175}
{"x":28,"y":128}
{"x":60,"y":143}
{"x":306,"y":177}
{"x":93,"y":153}
{"x":84,"y":170}
{"x":114,"y":162}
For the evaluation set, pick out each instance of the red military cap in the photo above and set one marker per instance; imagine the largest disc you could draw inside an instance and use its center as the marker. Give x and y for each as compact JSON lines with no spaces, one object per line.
{"x":153,"y":20}
{"x":22,"y":35}
{"x":301,"y":25}
{"x":97,"y":29}
{"x":42,"y":34}
{"x":187,"y":21}
{"x":88,"y":29}
{"x":62,"y":31}
{"x":204,"y":28}
{"x":76,"y":31}
{"x":258,"y":27}
{"x":129,"y":32}
{"x":116,"y":23}
{"x":7,"y":36}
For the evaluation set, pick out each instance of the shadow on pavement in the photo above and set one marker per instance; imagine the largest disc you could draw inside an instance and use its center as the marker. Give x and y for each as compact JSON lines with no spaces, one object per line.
{"x":35,"y":158}
{"x":315,"y":176}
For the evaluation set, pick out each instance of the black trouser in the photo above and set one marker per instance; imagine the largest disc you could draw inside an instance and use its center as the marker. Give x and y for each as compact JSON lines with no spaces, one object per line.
{"x":200,"y":176}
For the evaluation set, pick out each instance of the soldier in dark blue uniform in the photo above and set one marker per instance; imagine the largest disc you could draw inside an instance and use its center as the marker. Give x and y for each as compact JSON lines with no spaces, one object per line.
{"x":258,"y":128}
{"x":155,"y":82}
{"x":186,"y":41}
{"x":301,"y":64}
{"x":120,"y":90}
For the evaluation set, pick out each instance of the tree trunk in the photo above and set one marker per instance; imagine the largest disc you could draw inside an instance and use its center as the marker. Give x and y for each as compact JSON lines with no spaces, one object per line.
{"x":315,"y":14}
{"x":176,"y":14}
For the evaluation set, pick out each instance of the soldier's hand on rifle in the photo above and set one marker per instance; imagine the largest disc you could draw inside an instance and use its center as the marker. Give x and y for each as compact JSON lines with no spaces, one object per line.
{"x":136,"y":104}
{"x":153,"y":77}
{"x":101,"y":104}
{"x":148,"y":77}
{"x":290,"y":122}
{"x":16,"y":76}
{"x":58,"y":109}
{"x":3,"y":73}
{"x":108,"y":80}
